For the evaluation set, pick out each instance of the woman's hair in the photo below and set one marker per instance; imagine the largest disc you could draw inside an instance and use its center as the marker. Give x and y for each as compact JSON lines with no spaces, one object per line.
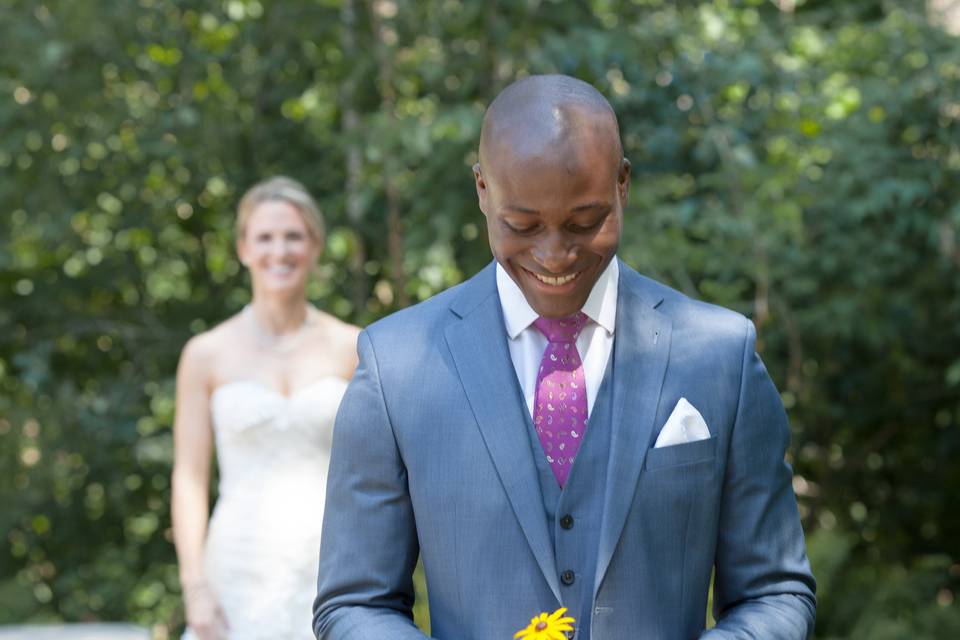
{"x":283,"y":189}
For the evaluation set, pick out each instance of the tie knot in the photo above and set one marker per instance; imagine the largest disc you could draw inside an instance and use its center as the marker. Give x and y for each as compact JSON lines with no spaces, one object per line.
{"x":565,"y":329}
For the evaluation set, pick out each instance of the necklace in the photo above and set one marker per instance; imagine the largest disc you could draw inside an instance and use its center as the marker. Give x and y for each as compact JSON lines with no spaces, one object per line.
{"x":278,"y":343}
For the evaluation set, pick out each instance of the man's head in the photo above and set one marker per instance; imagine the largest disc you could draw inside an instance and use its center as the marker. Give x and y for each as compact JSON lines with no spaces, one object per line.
{"x":552,"y":182}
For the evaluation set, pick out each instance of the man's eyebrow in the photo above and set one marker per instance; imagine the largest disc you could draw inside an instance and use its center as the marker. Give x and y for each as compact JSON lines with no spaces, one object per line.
{"x":519,"y":209}
{"x":591,"y":205}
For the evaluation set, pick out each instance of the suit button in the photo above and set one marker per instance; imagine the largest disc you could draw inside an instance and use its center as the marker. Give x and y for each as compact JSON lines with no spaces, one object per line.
{"x":566,"y":522}
{"x":567,"y":577}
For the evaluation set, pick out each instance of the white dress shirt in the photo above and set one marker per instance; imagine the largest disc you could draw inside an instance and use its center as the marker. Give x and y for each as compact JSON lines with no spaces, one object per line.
{"x":527,"y":344}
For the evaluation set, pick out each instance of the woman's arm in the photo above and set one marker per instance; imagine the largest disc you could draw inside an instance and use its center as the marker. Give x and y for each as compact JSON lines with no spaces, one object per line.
{"x":193,"y":450}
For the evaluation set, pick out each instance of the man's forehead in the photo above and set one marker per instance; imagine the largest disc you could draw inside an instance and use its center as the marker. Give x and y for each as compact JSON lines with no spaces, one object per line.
{"x":547,"y":114}
{"x":573,"y":139}
{"x":536,"y":131}
{"x":546,"y":122}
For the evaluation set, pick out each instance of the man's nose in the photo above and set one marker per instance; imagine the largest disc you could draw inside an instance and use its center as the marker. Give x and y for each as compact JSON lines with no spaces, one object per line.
{"x":554,"y":253}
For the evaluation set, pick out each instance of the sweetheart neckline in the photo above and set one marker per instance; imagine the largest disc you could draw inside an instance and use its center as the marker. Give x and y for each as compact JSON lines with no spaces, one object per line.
{"x":267,"y":388}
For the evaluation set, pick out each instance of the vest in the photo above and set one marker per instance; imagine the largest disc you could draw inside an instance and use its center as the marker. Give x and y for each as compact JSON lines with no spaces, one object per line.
{"x":575,"y":513}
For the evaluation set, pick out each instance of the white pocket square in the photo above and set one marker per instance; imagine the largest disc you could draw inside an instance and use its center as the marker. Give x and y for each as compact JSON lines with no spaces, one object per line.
{"x":684,"y":425}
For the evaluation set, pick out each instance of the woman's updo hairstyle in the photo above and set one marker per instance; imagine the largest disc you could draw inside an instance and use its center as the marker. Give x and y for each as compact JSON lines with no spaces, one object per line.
{"x":283,"y":189}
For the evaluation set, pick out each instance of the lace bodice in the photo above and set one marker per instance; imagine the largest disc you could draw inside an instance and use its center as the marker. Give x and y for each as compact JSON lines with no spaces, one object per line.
{"x":266,"y":439}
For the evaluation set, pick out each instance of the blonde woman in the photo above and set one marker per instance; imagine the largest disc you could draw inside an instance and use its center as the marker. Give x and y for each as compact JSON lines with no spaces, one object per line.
{"x":261,"y":390}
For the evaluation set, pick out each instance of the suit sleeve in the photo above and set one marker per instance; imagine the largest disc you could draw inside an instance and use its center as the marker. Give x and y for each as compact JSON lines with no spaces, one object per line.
{"x":369,"y":543}
{"x":763,"y":585}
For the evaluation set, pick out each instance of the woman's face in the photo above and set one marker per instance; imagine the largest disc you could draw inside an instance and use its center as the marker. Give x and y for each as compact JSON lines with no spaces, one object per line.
{"x":277,"y":248}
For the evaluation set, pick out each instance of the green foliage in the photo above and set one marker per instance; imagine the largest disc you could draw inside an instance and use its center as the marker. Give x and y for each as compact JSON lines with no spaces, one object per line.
{"x":887,"y":601}
{"x":800,"y":166}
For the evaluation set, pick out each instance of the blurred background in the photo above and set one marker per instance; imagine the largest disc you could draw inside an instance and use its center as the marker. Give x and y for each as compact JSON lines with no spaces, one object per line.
{"x":798,"y":161}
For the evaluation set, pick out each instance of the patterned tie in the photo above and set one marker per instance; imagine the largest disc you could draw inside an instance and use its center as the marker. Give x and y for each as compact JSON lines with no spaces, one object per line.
{"x":560,"y":404}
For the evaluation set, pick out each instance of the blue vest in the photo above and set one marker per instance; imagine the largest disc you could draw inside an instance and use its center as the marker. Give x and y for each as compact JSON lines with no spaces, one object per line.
{"x":574,"y":514}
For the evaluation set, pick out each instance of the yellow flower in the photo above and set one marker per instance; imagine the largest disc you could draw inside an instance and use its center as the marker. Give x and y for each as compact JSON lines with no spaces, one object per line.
{"x":544,"y":627}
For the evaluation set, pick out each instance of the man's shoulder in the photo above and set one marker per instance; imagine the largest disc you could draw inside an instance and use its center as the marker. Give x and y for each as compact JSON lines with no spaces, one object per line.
{"x":690,"y":317}
{"x":429,"y":317}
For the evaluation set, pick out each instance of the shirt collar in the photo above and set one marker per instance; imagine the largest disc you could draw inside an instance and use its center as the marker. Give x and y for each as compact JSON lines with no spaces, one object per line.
{"x":601,"y":304}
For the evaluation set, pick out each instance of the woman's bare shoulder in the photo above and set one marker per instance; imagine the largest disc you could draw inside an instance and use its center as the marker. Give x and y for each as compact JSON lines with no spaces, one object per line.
{"x":339,"y":342}
{"x":204,"y":347}
{"x":340,"y":333}
{"x":332,"y":327}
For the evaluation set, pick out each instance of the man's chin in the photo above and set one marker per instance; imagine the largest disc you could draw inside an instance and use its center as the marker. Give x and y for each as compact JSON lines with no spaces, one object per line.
{"x":558,"y":307}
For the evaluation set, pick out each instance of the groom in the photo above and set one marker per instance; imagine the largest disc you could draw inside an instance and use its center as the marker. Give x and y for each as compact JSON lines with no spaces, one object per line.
{"x":560,"y":430}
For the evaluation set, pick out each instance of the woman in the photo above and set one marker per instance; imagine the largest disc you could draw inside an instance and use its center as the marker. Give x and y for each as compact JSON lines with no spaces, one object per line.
{"x":264,"y":386}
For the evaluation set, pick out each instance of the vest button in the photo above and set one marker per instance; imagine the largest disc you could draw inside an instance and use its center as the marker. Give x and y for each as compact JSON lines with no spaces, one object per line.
{"x":566,"y":522}
{"x":567,"y":577}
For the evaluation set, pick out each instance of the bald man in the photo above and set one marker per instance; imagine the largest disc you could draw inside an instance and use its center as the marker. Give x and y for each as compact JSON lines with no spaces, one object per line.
{"x":560,"y":430}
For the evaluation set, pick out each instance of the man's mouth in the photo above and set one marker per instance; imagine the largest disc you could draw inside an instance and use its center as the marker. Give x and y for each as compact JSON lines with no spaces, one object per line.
{"x":555,"y":281}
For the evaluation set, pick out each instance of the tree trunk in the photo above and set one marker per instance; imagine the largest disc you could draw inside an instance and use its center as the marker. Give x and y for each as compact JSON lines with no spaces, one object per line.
{"x":382,"y":13}
{"x":360,"y":291}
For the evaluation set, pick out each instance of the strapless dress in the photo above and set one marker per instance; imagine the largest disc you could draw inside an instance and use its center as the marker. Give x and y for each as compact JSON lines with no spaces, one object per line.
{"x":263,"y":539}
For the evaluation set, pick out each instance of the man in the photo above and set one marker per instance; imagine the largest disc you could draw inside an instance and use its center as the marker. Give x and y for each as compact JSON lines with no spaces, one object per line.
{"x":458,"y":435}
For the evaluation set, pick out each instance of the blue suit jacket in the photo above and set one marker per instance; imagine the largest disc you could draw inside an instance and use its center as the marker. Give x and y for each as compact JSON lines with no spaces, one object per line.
{"x":431,"y":457}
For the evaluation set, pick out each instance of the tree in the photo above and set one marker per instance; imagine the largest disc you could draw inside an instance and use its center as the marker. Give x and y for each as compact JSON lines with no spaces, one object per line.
{"x":795,"y":161}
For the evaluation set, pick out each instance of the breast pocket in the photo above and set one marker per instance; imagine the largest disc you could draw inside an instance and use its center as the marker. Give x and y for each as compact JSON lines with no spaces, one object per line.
{"x":681,"y":454}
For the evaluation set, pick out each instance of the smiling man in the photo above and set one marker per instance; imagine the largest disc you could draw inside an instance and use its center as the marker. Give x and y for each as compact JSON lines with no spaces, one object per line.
{"x":552,"y":182}
{"x":559,"y":430}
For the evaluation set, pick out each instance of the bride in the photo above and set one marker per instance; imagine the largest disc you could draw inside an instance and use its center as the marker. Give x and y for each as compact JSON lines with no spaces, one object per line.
{"x":263,"y":387}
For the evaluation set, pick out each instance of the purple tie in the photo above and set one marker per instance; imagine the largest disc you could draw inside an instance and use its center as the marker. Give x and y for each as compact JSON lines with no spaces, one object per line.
{"x":560,"y":404}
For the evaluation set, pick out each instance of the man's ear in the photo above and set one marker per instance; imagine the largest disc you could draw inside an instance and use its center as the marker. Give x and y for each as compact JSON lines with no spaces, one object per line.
{"x":481,"y":185}
{"x":623,"y":181}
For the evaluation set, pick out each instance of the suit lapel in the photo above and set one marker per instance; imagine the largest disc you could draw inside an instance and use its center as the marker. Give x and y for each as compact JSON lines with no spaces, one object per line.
{"x":479,"y":348}
{"x":641,"y":351}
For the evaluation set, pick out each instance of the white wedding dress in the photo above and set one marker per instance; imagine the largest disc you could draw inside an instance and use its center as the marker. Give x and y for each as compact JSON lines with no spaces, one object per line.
{"x":264,"y":535}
